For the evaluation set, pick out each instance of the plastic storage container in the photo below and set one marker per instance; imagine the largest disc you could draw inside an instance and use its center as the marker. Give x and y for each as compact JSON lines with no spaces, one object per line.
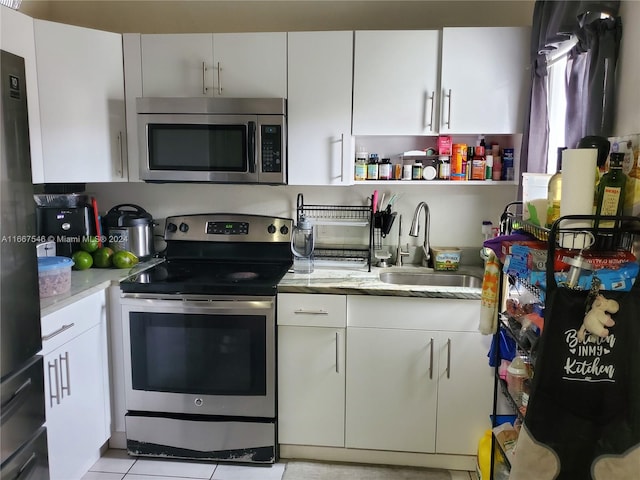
{"x":517,"y":373}
{"x":446,"y":258}
{"x":54,"y":275}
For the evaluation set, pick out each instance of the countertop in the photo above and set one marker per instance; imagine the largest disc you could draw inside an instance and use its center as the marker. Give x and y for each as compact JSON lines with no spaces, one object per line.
{"x":341,"y":281}
{"x":358,"y":281}
{"x":86,"y":282}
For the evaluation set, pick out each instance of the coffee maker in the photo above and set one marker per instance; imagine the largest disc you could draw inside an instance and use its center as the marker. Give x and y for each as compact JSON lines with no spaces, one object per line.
{"x":66,"y":219}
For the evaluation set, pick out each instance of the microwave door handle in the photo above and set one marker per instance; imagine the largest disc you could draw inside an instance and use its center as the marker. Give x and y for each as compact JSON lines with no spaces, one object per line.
{"x":252,"y":147}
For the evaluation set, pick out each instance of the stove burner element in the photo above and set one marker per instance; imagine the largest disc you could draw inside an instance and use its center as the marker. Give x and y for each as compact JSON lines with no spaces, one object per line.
{"x":239,"y":276}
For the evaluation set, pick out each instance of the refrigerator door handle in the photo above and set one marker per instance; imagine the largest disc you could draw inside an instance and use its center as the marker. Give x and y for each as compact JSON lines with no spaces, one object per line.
{"x":27,"y":467}
{"x":16,"y":401}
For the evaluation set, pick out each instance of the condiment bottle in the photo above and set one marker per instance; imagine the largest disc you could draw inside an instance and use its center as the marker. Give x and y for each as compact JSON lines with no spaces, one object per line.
{"x":384,"y":169}
{"x":416,"y":172}
{"x":372,"y":167}
{"x":611,"y":191}
{"x":362,"y":158}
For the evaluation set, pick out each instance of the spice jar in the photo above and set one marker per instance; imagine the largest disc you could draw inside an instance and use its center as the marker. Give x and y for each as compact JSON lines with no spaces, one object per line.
{"x":416,"y":172}
{"x":384,"y":169}
{"x":372,"y":167}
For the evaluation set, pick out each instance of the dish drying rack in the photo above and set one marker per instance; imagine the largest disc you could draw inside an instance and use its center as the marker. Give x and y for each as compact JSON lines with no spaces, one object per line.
{"x":359,"y":216}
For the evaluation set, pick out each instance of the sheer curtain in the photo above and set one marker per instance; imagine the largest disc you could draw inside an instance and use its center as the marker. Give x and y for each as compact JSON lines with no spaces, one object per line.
{"x":590,"y":73}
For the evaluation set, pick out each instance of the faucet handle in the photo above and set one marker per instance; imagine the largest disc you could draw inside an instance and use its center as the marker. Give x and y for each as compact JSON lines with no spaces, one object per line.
{"x":400,"y":253}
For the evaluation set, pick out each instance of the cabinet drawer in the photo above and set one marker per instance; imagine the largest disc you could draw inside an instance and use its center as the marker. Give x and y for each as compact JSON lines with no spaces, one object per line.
{"x":61,"y":326}
{"x":312,"y":310}
{"x":413,"y":313}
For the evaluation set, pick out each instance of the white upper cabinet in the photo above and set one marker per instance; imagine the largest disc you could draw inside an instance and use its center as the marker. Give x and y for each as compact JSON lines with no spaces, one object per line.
{"x":16,"y":36}
{"x":395,"y":85}
{"x":222,"y":65}
{"x":319,"y":108}
{"x":81,"y":93}
{"x":485,"y":75}
{"x":177,"y":65}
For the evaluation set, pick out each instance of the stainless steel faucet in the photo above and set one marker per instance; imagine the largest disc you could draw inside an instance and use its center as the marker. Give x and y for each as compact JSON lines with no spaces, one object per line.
{"x":413,"y":231}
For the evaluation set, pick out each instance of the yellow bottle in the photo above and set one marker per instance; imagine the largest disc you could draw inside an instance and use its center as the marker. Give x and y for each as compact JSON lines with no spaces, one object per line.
{"x":554,"y":191}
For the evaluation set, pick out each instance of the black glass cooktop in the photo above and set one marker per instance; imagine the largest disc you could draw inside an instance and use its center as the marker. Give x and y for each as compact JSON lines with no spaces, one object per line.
{"x":208,"y":278}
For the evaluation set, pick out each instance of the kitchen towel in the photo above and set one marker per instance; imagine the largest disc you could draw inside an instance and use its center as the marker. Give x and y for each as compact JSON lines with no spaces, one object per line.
{"x":578,"y":191}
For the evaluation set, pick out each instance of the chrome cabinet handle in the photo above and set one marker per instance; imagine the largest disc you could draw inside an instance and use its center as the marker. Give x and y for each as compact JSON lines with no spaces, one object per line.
{"x":49,"y":336}
{"x":219,"y":80}
{"x":204,"y":78}
{"x":448,"y":122}
{"x":431,"y":359}
{"x":16,"y":401}
{"x":120,"y":171}
{"x":342,"y":158}
{"x":432,"y":98}
{"x":53,"y":397}
{"x":65,"y":358}
{"x":337,"y":348}
{"x":27,"y":467}
{"x":302,"y":311}
{"x":448,"y":358}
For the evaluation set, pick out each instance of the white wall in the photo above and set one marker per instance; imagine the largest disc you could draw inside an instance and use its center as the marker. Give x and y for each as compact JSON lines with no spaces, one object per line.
{"x":456,"y":211}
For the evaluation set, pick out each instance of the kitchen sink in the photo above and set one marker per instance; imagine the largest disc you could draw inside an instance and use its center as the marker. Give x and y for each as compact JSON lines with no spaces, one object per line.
{"x":435,"y":279}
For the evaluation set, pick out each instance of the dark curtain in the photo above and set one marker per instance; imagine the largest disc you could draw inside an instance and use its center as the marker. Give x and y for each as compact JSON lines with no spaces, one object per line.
{"x":590,"y":73}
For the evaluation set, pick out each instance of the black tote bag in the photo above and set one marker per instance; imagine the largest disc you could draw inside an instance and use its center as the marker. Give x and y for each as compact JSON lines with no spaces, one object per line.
{"x":583,"y":417}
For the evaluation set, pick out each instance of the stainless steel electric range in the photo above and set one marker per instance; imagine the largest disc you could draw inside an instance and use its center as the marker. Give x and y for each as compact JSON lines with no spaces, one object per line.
{"x":199,"y":339}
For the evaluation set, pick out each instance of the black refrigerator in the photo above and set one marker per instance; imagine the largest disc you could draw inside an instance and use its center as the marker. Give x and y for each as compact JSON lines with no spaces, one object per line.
{"x":23,"y":439}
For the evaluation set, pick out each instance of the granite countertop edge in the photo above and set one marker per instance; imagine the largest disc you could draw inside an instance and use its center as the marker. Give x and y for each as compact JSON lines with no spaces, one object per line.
{"x":361,"y":282}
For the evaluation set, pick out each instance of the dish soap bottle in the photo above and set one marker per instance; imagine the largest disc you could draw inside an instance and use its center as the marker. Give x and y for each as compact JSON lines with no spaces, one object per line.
{"x":611,"y":191}
{"x":554,"y":191}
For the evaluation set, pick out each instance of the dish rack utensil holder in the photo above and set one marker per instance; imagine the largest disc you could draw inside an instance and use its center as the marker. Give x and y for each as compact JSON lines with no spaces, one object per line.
{"x":340,"y":216}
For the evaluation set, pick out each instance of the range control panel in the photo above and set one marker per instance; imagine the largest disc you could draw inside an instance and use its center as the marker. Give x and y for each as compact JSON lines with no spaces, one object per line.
{"x":223,"y":227}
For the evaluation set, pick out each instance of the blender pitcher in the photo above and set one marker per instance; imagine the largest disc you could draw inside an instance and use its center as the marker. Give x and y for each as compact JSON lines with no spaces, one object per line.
{"x":302,"y":244}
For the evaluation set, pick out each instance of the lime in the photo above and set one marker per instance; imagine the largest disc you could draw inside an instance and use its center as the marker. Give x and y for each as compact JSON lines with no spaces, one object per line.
{"x":102,"y":257}
{"x":82,"y":260}
{"x":90,"y":244}
{"x":124,"y":259}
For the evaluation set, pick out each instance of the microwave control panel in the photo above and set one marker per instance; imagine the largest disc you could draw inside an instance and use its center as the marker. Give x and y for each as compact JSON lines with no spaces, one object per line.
{"x":271,"y":148}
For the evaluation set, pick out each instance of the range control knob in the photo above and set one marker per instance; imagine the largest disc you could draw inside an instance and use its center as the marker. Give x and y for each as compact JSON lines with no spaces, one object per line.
{"x":171,"y":227}
{"x":271,"y":229}
{"x":284,"y":230}
{"x":184,"y":228}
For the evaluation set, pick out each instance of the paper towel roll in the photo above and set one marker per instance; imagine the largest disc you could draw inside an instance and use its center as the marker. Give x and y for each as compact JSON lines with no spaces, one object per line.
{"x":578,"y":190}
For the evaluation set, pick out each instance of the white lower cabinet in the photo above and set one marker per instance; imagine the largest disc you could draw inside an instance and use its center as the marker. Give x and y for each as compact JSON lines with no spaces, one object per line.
{"x":417,"y":377}
{"x":76,"y":386}
{"x":311,"y":369}
{"x":392,"y":390}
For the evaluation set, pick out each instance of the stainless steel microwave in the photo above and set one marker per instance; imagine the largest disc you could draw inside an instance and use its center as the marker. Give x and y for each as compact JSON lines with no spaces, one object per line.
{"x":217,"y":140}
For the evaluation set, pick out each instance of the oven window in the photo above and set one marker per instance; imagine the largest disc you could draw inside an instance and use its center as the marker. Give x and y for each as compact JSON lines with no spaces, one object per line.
{"x":199,"y":354}
{"x":221,"y":148}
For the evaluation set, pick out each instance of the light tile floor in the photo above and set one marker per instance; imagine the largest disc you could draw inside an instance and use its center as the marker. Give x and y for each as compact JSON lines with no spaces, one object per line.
{"x":117,"y":465}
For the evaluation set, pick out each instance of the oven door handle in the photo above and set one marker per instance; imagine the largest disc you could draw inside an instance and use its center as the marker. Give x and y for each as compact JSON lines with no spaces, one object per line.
{"x":192,"y":303}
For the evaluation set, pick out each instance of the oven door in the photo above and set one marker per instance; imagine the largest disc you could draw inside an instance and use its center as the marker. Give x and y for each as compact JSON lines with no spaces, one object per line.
{"x":200,"y":355}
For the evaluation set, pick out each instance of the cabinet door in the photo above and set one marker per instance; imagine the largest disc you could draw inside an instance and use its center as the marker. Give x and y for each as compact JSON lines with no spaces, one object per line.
{"x":392,"y":380}
{"x":395,"y":84}
{"x":177,"y":65}
{"x":81,"y":88}
{"x":16,"y":36}
{"x":485,"y":75}
{"x":74,"y":397}
{"x":311,"y":388}
{"x":465,"y":391}
{"x":250,"y":65}
{"x":319,"y":108}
